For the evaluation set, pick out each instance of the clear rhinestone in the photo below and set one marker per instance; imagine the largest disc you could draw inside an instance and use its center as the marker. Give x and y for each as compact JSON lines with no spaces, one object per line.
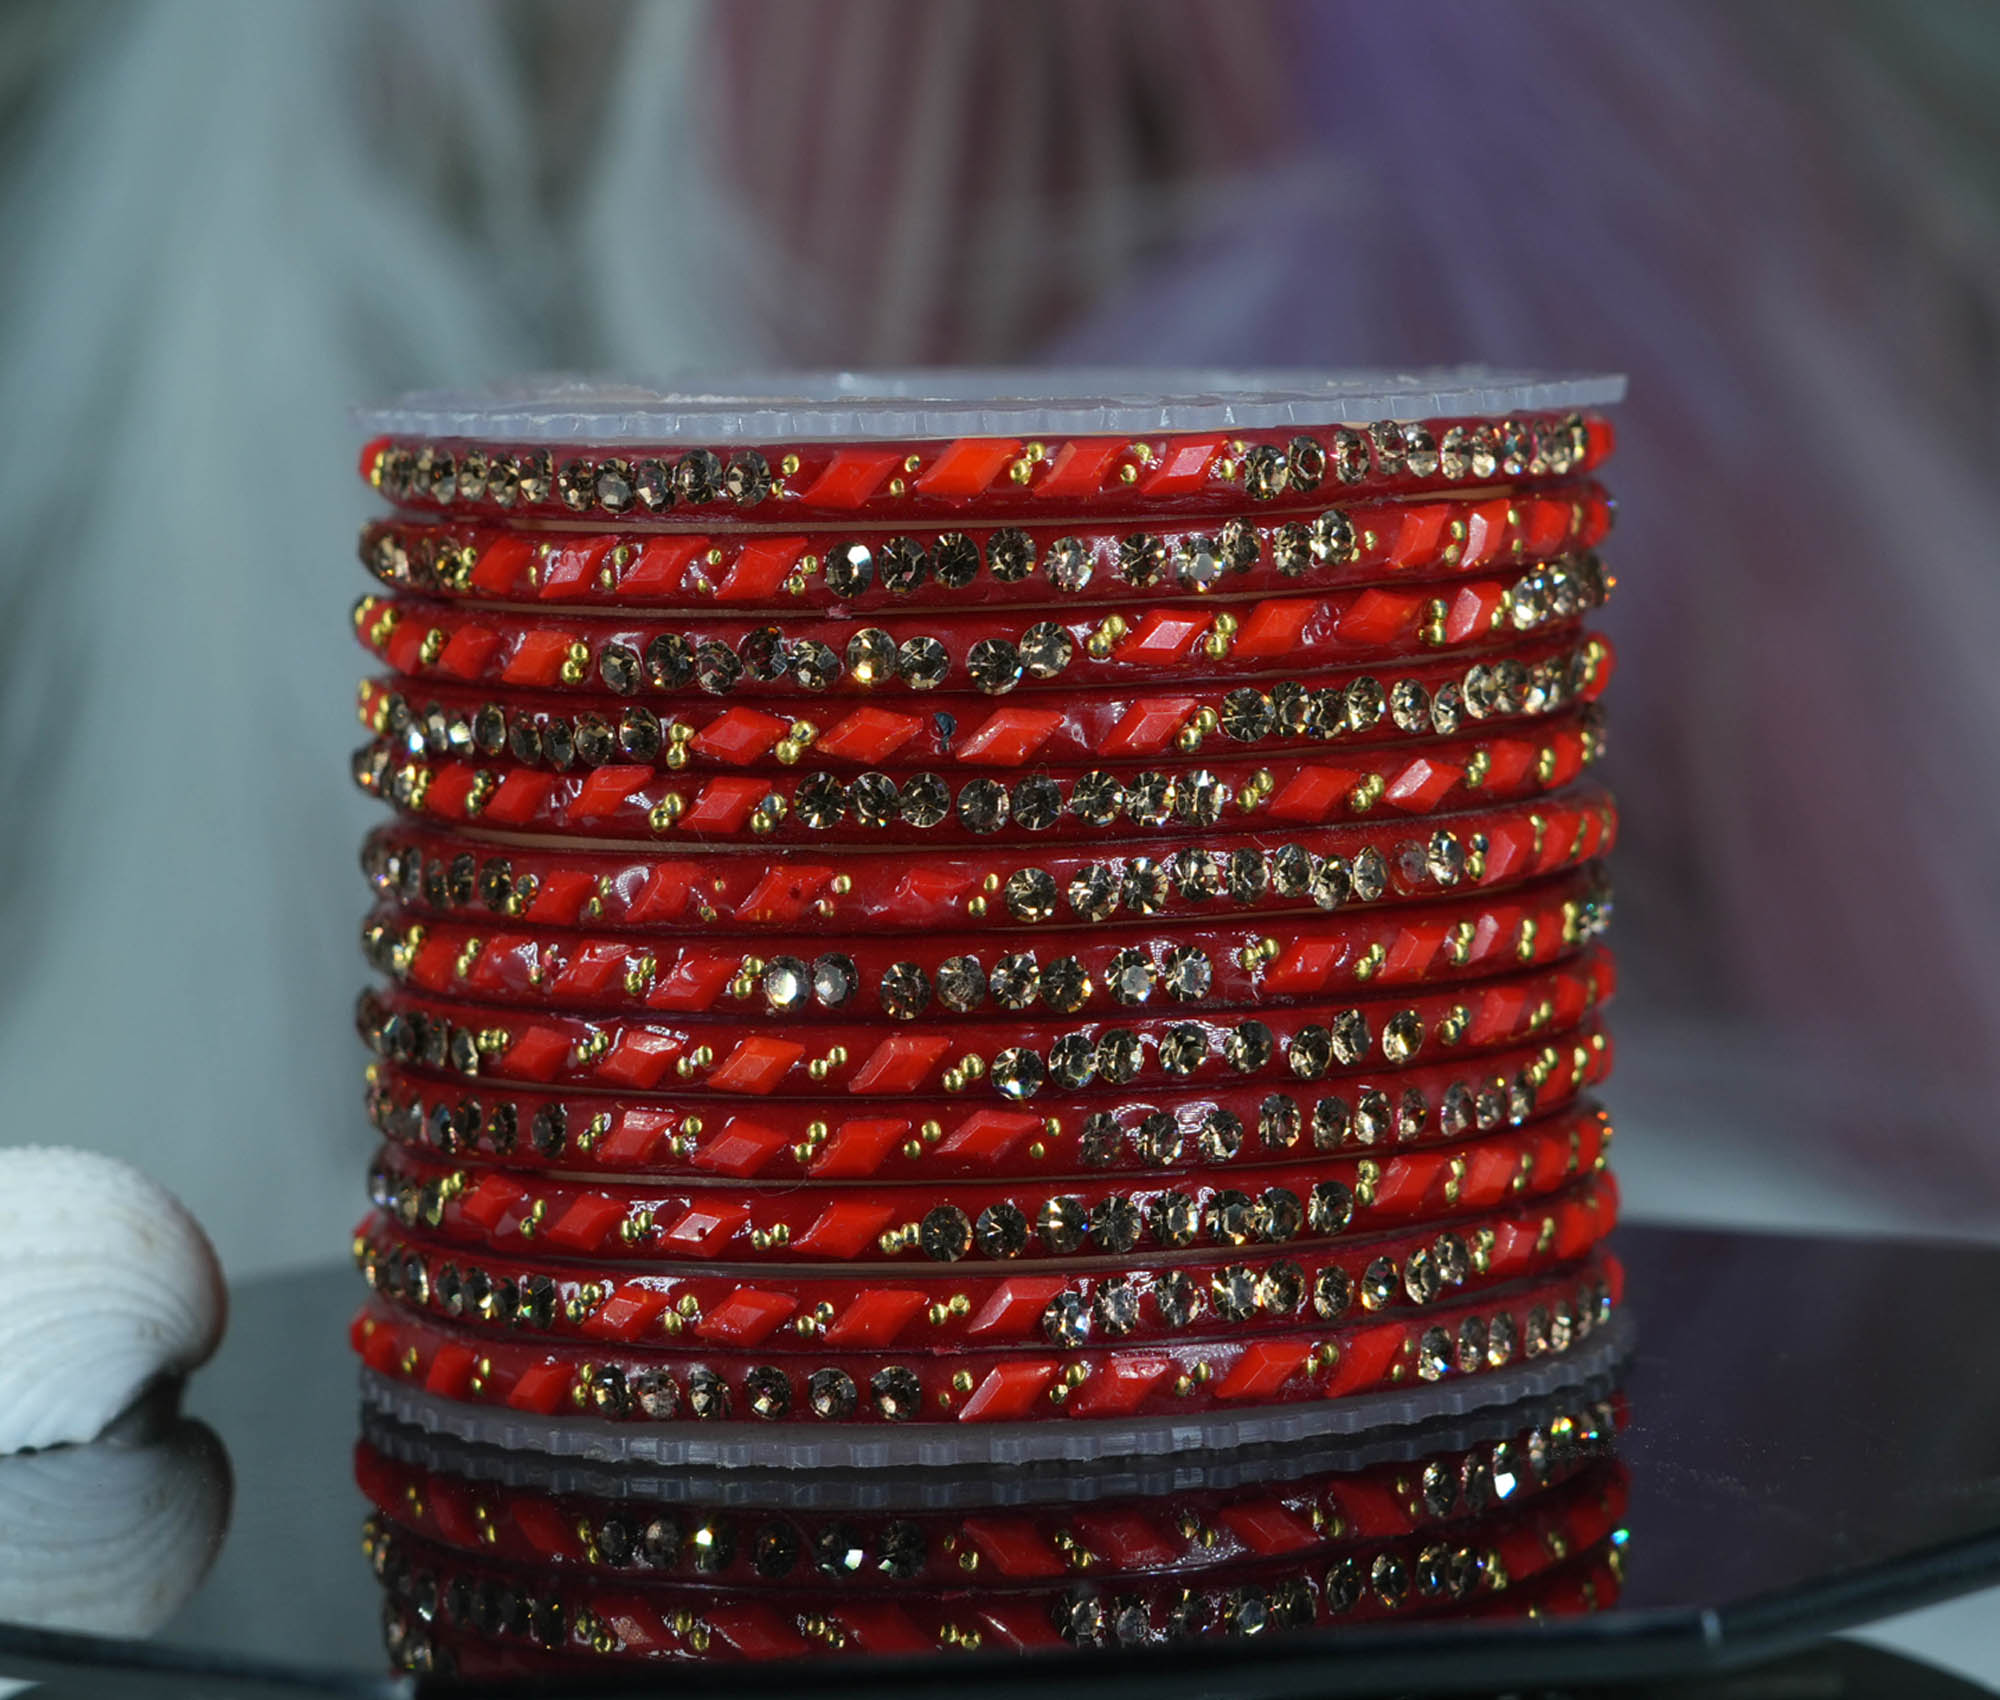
{"x":1115,"y":1305}
{"x":1073,"y":1061}
{"x":875,"y":799}
{"x":1244,"y":876}
{"x":945,"y":1234}
{"x":698,"y":476}
{"x":1066,"y":1320}
{"x":1266,"y":472}
{"x":1410,"y":706}
{"x":1279,"y":1122}
{"x":765,"y":654}
{"x":820,"y":801}
{"x":961,"y":983}
{"x":905,"y":990}
{"x":1402,"y":1036}
{"x":871,"y":656}
{"x":1307,"y":461}
{"x":1246,"y":715}
{"x":716,"y":667}
{"x":1372,"y":1117}
{"x":748,"y":479}
{"x":994,"y":665}
{"x":619,"y":667}
{"x":1016,"y":981}
{"x":1018,"y":1072}
{"x":1175,"y":1220}
{"x":1283,"y":1288}
{"x":922,"y":663}
{"x":1149,"y":799}
{"x":1421,"y":1279}
{"x":1115,"y":1223}
{"x":1220,"y":1136}
{"x":1066,"y":986}
{"x":957,"y":560}
{"x":1281,"y":1214}
{"x":898,"y":1393}
{"x":1010,"y":557}
{"x":1365,"y":703}
{"x":1097,"y":798}
{"x":1141,"y":559}
{"x":1046,"y":649}
{"x":1201,"y":564}
{"x":924,"y":800}
{"x":1128,"y":977}
{"x":1030,"y":894}
{"x":1332,"y":883}
{"x":1238,"y":543}
{"x":1199,"y":797}
{"x":1157,"y":1139}
{"x":1063,"y":1224}
{"x":1093,"y":893}
{"x":1175,"y":1295}
{"x":1329,"y":1208}
{"x":1001,"y":1231}
{"x":1291,"y":870}
{"x":1067,"y":564}
{"x":1434,"y":1354}
{"x":905,"y":566}
{"x":787,"y":984}
{"x":1370,"y":874}
{"x":1120,"y":1054}
{"x":814,"y":665}
{"x":1291,"y":549}
{"x":1142,"y":886}
{"x":770,"y":1392}
{"x":1038,"y":803}
{"x":1186,"y":973}
{"x":1097,"y":1144}
{"x":983,"y":805}
{"x":1234,"y":1293}
{"x":1311,"y":1051}
{"x":1183,"y":1048}
{"x":1333,"y":1293}
{"x":1333,"y":538}
{"x":1248,"y":1047}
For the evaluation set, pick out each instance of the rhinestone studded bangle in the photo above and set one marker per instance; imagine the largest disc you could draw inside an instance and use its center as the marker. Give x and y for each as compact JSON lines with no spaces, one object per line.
{"x":453,"y":1613}
{"x":1014,"y":1060}
{"x":1073,"y":973}
{"x":633,"y":801}
{"x":1537,"y":679}
{"x":982,"y":565}
{"x":1319,"y":1516}
{"x":776,"y":483}
{"x":676,"y":1385}
{"x":432,"y":871}
{"x":784,"y":1139}
{"x":1252,"y":1290}
{"x":1035,"y":1220}
{"x":988,"y":653}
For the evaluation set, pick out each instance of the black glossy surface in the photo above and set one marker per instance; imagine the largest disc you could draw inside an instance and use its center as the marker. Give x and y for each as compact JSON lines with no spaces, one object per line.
{"x":1814,"y":1440}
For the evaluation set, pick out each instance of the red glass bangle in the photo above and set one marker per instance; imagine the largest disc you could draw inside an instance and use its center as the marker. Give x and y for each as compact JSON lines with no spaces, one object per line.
{"x":1537,"y":679}
{"x":991,"y":653}
{"x":1249,"y":1290}
{"x":1199,"y":1529}
{"x":1032,"y":1220}
{"x":1082,"y":972}
{"x":633,"y":801}
{"x":786,"y":1139}
{"x":837,"y":1385}
{"x":437,"y":871}
{"x":780,"y":483}
{"x":981,"y":565}
{"x":1015,"y":1060}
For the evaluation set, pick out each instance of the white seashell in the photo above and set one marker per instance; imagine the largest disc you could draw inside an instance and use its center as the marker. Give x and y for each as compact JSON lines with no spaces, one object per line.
{"x":111,"y":1286}
{"x":112,"y":1538}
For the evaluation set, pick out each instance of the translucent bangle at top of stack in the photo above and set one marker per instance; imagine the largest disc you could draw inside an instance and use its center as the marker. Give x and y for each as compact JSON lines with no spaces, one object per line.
{"x":1238,"y":975}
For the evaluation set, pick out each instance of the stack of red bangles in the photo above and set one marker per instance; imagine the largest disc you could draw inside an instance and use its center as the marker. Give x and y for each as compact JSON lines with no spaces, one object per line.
{"x":920,"y":908}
